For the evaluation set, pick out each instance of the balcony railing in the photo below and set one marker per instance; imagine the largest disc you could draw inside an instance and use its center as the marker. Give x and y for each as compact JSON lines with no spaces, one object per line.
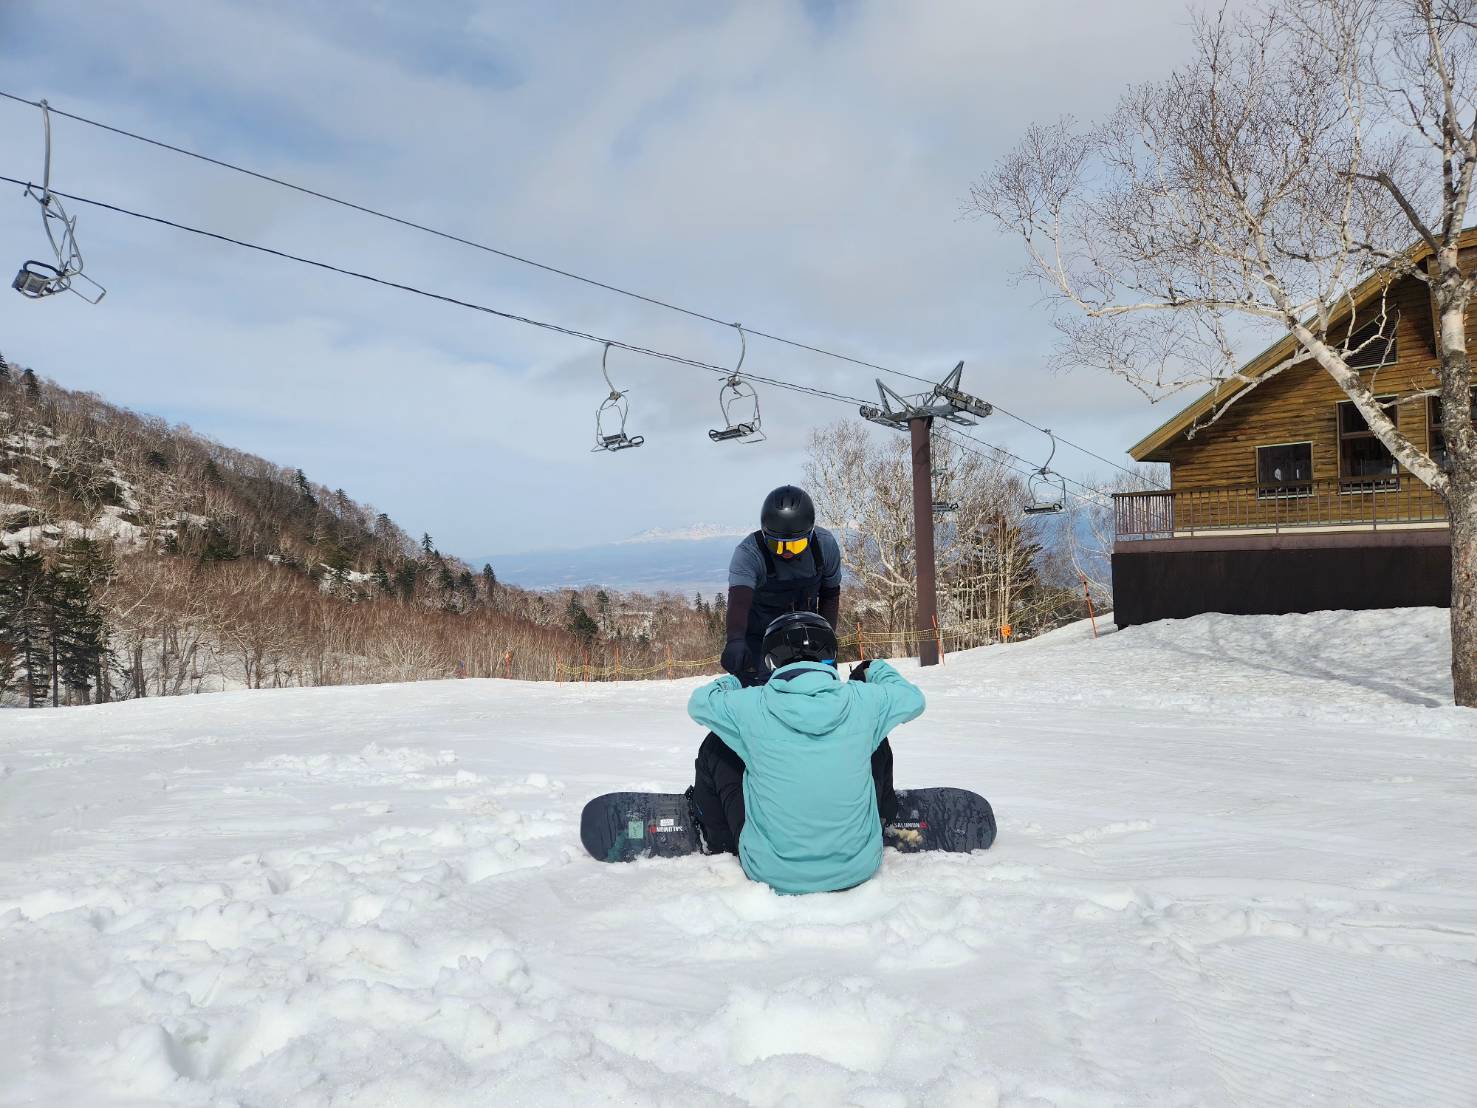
{"x":1353,"y":502}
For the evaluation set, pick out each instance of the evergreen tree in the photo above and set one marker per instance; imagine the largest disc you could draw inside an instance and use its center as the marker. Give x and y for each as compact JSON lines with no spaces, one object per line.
{"x":304,"y":490}
{"x":719,"y":620}
{"x":9,"y":668}
{"x":381,"y":577}
{"x":212,"y":471}
{"x":405,"y":579}
{"x":32,"y":386}
{"x":489,"y":581}
{"x":216,"y":544}
{"x":82,"y":653}
{"x":384,"y":528}
{"x":4,"y":371}
{"x":426,"y":544}
{"x":23,"y":620}
{"x":79,"y":637}
{"x":579,"y":622}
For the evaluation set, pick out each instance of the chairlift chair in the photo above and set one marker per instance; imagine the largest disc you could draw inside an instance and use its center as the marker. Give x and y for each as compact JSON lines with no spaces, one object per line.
{"x":1046,"y":492}
{"x":739,"y":404}
{"x":608,"y":435}
{"x":37,"y":280}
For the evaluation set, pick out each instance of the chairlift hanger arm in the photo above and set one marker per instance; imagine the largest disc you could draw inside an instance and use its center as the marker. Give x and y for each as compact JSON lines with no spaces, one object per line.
{"x":614,"y":406}
{"x":36,"y":280}
{"x":734,"y":393}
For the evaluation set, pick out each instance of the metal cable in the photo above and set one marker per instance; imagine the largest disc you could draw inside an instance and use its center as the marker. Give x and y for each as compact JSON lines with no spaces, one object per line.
{"x":724,"y":371}
{"x":994,"y":455}
{"x":452,"y":237}
{"x":572,"y":332}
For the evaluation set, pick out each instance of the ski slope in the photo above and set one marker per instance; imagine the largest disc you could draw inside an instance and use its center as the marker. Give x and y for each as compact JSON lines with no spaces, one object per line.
{"x":1237,"y":865}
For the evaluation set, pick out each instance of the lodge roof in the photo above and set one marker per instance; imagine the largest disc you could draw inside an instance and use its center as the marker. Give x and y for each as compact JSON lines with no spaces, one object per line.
{"x":1151,"y":447}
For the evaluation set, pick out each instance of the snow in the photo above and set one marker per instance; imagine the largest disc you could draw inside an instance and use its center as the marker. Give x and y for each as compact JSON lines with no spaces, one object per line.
{"x":1236,"y":866}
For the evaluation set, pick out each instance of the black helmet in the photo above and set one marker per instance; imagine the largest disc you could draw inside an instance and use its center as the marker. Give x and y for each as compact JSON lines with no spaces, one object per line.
{"x":798,"y":637}
{"x":788,"y":513}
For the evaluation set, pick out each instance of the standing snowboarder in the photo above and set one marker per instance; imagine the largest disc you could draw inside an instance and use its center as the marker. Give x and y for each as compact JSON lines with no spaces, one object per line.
{"x":788,"y":565}
{"x":787,"y":777}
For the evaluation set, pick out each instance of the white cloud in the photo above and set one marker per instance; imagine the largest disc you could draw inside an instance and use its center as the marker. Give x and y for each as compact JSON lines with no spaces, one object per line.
{"x":799,"y":173}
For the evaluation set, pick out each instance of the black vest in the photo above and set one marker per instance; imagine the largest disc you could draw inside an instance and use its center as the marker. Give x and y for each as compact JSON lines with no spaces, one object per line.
{"x":774,"y":597}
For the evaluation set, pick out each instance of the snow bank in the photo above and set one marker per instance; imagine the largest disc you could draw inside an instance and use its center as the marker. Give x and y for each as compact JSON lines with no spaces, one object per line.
{"x":1236,"y":866}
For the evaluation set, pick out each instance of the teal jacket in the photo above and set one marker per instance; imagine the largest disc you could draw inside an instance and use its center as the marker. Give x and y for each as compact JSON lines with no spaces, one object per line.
{"x":807,"y":738}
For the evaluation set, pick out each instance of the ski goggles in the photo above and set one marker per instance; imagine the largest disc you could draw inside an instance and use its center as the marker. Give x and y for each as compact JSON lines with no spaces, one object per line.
{"x":788,"y":546}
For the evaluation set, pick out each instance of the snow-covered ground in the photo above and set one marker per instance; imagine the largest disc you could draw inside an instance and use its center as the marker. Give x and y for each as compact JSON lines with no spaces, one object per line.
{"x":1237,"y":865}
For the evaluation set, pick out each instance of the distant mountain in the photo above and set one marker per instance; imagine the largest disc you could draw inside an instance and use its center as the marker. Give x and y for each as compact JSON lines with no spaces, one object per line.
{"x":696,"y":531}
{"x":684,"y":560}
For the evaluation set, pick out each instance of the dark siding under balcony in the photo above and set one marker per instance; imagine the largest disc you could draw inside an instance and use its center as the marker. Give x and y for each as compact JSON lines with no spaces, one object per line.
{"x":1279,"y":573}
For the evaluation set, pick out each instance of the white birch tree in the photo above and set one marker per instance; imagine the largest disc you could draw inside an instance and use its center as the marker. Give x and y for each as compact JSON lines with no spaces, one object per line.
{"x":1304,"y":148}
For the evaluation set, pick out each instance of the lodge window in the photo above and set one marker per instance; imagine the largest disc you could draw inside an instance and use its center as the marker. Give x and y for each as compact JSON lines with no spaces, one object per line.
{"x":1372,"y":345}
{"x":1437,"y":437}
{"x":1365,"y":465}
{"x":1284,"y":470}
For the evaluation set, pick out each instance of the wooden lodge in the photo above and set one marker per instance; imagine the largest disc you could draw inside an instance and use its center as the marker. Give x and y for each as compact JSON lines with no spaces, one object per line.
{"x":1280,"y":498}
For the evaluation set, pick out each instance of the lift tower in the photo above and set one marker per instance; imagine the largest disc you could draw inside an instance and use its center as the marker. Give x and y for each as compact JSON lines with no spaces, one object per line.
{"x":915,"y":415}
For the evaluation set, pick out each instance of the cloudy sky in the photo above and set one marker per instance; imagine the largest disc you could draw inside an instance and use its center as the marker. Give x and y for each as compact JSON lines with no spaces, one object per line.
{"x":797,"y":167}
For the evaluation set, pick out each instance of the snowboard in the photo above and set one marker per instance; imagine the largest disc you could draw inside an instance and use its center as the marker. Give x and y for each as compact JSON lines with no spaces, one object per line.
{"x":620,"y":827}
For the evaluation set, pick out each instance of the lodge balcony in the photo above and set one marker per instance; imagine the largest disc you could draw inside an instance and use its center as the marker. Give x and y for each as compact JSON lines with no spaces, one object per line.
{"x":1327,"y":504}
{"x":1299,"y":546}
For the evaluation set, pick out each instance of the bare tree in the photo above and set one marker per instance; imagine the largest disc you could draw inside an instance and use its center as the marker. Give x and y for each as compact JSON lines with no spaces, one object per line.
{"x":1088,"y":532}
{"x":864,"y":490}
{"x":986,"y":560}
{"x":1304,"y":150}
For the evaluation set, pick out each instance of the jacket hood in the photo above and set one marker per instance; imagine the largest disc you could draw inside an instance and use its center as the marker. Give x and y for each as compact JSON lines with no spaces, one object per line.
{"x":808,"y":697}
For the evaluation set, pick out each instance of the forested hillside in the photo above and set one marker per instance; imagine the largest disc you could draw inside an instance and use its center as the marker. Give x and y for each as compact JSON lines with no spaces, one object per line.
{"x":141,"y":559}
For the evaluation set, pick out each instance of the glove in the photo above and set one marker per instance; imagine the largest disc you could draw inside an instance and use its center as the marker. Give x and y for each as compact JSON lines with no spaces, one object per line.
{"x":736,"y":658}
{"x":859,"y":673}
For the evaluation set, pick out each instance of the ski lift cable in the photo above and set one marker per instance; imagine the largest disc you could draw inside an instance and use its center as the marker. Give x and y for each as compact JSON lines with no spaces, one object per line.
{"x":1032,"y":467}
{"x":522,"y":260}
{"x":634,"y":348}
{"x":993,"y":454}
{"x":572,"y":332}
{"x":824,"y":394}
{"x":792,"y":386}
{"x":1080,"y":449}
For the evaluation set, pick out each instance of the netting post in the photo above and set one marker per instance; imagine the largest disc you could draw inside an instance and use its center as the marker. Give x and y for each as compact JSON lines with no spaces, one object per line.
{"x":670,"y":674}
{"x":1087,"y":593}
{"x":938,"y":637}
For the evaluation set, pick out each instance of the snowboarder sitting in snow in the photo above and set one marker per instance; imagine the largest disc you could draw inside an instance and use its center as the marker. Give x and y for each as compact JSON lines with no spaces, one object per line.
{"x":785,"y":780}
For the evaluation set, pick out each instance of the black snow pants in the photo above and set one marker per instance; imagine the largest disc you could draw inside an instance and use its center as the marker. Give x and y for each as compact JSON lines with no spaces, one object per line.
{"x":718,"y":791}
